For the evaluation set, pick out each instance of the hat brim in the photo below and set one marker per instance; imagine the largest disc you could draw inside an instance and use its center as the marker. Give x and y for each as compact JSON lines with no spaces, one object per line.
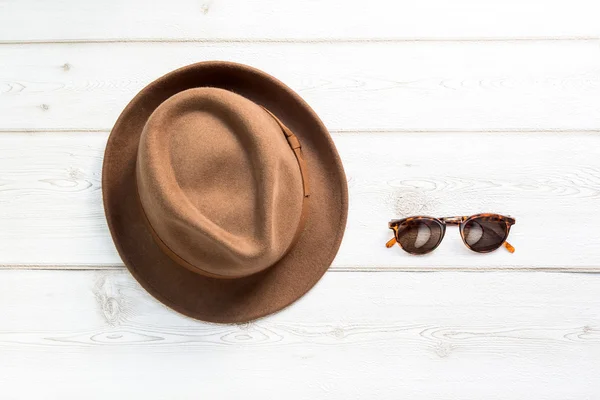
{"x":226,"y":300}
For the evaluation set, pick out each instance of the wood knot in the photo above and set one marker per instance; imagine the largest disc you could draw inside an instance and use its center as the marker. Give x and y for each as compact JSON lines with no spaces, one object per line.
{"x":109,"y":299}
{"x":75,"y":173}
{"x":244,"y":326}
{"x":45,"y":107}
{"x":66,"y":67}
{"x":443,"y":349}
{"x":407,"y":202}
{"x":204,"y":8}
{"x":338,"y":333}
{"x":111,"y":309}
{"x":250,"y":336}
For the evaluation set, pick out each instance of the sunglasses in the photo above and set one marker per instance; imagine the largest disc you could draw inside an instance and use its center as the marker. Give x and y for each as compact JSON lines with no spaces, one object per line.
{"x":481,"y":233}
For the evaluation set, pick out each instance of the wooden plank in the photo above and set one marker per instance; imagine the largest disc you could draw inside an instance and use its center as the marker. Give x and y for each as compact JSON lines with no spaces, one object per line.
{"x":399,"y":335}
{"x":271,"y":20}
{"x":51,"y":210}
{"x":437,"y":86}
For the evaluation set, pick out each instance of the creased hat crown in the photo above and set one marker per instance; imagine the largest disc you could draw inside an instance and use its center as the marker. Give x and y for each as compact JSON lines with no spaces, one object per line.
{"x":218,"y":182}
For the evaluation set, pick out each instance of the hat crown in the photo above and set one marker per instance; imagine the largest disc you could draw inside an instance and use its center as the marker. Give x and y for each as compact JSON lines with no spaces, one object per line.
{"x":219,"y":183}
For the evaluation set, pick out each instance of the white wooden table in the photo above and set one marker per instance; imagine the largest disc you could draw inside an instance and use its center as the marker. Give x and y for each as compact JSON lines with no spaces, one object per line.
{"x":436,"y":107}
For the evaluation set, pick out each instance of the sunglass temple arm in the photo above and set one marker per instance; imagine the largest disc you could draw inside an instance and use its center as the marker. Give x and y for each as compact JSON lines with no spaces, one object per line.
{"x":390,"y":243}
{"x":509,"y":247}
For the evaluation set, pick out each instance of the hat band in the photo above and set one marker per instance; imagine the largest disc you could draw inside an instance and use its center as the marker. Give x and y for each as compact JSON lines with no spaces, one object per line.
{"x":297,"y":149}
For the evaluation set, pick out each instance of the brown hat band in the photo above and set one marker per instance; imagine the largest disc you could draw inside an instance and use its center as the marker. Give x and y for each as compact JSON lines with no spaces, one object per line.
{"x":297,"y":149}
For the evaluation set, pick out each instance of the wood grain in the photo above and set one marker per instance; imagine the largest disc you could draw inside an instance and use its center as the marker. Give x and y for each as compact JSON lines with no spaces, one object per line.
{"x":437,"y":107}
{"x":412,"y":86}
{"x":51,"y":209}
{"x":355,"y":334}
{"x":309,"y":20}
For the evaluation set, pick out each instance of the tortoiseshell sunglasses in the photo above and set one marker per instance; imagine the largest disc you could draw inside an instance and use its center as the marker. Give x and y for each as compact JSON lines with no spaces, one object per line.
{"x":481,"y":233}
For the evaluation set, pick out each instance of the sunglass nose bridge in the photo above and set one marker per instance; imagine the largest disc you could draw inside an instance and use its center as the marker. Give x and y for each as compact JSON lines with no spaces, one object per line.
{"x":454,"y":220}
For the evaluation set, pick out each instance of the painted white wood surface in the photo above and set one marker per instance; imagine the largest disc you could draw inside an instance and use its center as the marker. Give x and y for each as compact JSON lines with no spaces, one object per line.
{"x":355,"y":336}
{"x":52,"y":211}
{"x":308,"y":20}
{"x":514,"y":85}
{"x":449,"y":86}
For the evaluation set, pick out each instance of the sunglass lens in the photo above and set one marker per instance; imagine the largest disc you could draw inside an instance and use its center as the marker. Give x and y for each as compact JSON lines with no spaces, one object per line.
{"x":484,"y":234}
{"x":420,"y":236}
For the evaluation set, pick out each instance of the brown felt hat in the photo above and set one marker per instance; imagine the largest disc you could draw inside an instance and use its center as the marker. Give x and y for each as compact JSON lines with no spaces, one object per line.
{"x":223,"y":191}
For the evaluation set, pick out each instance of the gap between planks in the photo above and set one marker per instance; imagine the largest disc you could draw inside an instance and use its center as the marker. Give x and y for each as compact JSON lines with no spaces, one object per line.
{"x":344,"y":131}
{"x":341,"y":268}
{"x":309,"y":41}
